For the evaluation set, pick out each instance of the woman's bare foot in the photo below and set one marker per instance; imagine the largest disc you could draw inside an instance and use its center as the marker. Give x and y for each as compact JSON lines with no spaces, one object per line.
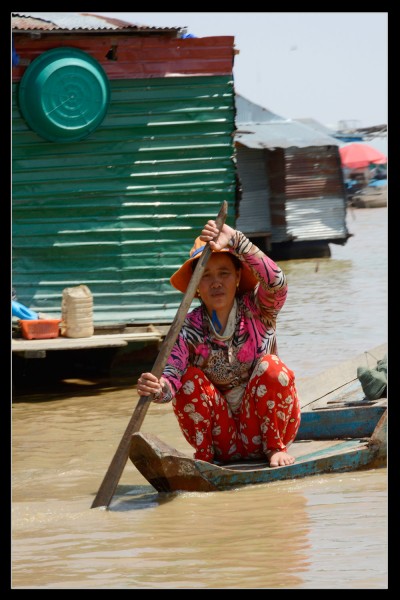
{"x":278,"y":458}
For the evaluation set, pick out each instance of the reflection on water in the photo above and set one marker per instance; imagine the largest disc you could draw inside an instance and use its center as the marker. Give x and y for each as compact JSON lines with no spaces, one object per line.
{"x":360,"y":560}
{"x":319,"y":532}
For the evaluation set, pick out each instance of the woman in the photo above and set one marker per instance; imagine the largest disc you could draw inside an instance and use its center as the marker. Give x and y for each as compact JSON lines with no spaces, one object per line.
{"x":233,"y":397}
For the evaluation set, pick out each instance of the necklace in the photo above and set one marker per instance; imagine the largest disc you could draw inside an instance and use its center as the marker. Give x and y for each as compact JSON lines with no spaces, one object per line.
{"x":230,"y":325}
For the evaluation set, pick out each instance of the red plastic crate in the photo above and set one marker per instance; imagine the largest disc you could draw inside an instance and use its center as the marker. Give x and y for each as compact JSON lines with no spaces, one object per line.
{"x":38,"y":329}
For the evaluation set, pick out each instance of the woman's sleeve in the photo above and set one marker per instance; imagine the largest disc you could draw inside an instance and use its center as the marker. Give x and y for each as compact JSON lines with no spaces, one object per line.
{"x":270,"y":294}
{"x":174,"y":369}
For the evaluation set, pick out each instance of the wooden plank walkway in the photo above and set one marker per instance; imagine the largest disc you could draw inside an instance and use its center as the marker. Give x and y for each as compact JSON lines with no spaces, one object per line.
{"x":38,"y":348}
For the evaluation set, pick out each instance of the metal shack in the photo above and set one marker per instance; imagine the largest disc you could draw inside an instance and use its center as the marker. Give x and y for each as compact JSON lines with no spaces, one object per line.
{"x":293,"y":199}
{"x":122,"y":148}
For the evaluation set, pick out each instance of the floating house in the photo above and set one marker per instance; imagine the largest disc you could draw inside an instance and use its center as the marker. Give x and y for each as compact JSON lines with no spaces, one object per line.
{"x":293,"y":199}
{"x":125,"y":139}
{"x":122,"y":148}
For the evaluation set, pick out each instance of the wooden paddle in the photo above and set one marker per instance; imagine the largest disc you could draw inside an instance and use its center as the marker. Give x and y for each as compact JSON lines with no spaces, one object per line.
{"x":114,"y":472}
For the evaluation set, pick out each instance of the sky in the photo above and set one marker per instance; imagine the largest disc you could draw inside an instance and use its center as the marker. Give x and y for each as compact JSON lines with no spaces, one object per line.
{"x":328,"y":66}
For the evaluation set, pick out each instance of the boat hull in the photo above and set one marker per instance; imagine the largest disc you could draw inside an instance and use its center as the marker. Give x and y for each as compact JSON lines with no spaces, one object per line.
{"x":370,"y":197}
{"x":168,"y":470}
{"x":341,"y":430}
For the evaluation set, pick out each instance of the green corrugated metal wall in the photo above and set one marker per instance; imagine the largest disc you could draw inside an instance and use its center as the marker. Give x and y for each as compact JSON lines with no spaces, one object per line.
{"x":118,"y":211}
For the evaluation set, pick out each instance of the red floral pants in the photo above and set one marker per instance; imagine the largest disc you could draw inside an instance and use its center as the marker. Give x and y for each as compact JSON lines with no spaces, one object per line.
{"x":268,"y":418}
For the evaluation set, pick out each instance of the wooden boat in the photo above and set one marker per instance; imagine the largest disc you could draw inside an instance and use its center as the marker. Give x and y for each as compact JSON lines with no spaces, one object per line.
{"x":341,"y":430}
{"x":370,"y":197}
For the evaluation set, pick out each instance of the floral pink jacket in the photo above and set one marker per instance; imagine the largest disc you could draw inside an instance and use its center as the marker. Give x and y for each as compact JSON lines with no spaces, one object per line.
{"x":229,"y":364}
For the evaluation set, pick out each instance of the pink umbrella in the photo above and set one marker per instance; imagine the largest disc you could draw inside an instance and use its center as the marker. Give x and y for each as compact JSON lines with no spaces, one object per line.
{"x":355,"y":156}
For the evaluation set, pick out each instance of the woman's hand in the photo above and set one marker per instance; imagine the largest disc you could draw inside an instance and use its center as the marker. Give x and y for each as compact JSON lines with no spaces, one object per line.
{"x":148,"y":384}
{"x":210,"y":231}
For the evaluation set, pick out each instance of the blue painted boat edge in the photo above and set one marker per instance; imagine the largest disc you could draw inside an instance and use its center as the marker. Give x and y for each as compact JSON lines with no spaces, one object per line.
{"x":352,"y":422}
{"x":351,"y":460}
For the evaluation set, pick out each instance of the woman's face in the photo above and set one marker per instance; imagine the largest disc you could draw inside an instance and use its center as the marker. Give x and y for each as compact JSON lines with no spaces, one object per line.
{"x":219,"y":282}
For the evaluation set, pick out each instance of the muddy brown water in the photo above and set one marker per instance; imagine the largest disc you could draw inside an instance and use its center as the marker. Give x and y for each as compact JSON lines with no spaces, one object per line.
{"x":326,"y":532}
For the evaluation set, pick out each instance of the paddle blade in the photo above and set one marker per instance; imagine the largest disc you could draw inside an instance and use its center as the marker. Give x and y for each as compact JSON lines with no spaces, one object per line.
{"x":117,"y":465}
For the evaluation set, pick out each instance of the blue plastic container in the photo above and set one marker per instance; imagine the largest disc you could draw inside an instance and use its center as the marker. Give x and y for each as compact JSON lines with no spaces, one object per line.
{"x":22,"y":312}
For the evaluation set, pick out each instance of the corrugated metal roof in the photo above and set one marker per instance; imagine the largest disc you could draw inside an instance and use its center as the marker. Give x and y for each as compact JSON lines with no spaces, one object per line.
{"x":309,"y":122}
{"x":249,"y":112}
{"x":258,"y":127}
{"x":342,"y":138}
{"x":286,"y":134}
{"x":72,"y":21}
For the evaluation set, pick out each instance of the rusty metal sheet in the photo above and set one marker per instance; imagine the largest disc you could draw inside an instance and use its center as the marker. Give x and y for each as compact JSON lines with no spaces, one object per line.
{"x":133,"y":56}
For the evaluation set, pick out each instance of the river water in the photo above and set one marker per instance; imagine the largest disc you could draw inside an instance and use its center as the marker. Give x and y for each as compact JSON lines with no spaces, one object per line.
{"x":324,"y":532}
